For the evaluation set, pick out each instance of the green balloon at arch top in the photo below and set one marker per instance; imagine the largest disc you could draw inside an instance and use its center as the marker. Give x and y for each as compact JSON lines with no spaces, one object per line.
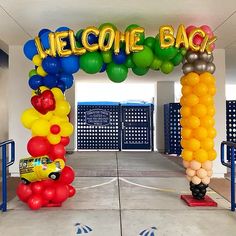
{"x":117,"y":72}
{"x":141,"y":36}
{"x":140,"y":71}
{"x":164,"y":54}
{"x":143,"y":58}
{"x":91,"y":62}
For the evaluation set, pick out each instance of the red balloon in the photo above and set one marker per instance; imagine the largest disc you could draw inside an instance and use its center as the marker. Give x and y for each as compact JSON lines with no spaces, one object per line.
{"x":57,"y":151}
{"x":72,"y":191}
{"x":49,"y":193}
{"x":65,"y":141}
{"x":55,"y":129}
{"x":35,"y":202}
{"x":47,"y":183}
{"x":67,"y":175}
{"x":37,"y":187}
{"x":45,"y":202}
{"x":23,"y":192}
{"x":61,"y":193}
{"x":38,"y":146}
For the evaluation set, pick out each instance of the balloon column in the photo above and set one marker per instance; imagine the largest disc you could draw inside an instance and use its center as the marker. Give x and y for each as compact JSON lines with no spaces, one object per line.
{"x":197,"y":111}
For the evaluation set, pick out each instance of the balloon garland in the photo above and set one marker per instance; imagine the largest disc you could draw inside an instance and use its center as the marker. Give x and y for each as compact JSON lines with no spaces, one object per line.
{"x":58,"y":55}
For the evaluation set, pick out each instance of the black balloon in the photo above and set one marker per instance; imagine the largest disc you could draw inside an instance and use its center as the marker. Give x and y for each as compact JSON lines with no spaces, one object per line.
{"x":198,"y":190}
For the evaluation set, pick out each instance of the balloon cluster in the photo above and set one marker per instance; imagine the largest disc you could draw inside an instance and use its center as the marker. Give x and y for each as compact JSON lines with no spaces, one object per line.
{"x":57,"y":71}
{"x":48,"y":192}
{"x":197,"y":121}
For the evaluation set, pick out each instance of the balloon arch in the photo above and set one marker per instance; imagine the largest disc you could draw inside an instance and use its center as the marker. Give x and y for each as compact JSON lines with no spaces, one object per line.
{"x":46,"y":179}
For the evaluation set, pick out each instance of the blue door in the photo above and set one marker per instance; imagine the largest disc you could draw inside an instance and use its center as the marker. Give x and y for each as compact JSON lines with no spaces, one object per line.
{"x":137,"y":126}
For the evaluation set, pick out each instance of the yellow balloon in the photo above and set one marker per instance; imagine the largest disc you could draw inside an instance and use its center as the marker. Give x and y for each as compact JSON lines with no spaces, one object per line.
{"x":47,"y":116}
{"x":184,"y":122}
{"x":89,"y":30}
{"x":186,"y":133}
{"x":41,"y":71}
{"x":211,"y":110}
{"x":207,"y":78}
{"x":183,"y":101}
{"x":37,"y":60}
{"x":55,"y":120}
{"x":193,"y":144}
{"x":192,"y":79}
{"x":185,"y":111}
{"x":199,"y":110}
{"x":200,"y":133}
{"x":105,"y":42}
{"x":62,"y":108}
{"x":207,"y":121}
{"x":187,"y":155}
{"x":206,"y":100}
{"x":66,"y":129}
{"x":207,"y":144}
{"x":54,"y":139}
{"x":183,"y":80}
{"x":40,"y":127}
{"x":61,"y":43}
{"x":200,"y":89}
{"x":28,"y":117}
{"x":212,"y":155}
{"x":193,"y":122}
{"x":200,"y":155}
{"x":191,"y":100}
{"x":186,"y":90}
{"x":184,"y":143}
{"x":58,"y":95}
{"x":212,"y":90}
{"x":211,"y":132}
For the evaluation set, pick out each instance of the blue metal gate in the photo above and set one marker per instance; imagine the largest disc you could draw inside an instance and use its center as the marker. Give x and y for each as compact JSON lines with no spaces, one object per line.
{"x":114,"y":126}
{"x":137,"y":128}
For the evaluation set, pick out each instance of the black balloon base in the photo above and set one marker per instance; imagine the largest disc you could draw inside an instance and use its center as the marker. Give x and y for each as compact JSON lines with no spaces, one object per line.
{"x":198,"y":190}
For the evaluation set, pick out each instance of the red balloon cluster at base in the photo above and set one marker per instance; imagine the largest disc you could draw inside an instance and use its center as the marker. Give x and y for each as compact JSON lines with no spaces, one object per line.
{"x":48,"y":192}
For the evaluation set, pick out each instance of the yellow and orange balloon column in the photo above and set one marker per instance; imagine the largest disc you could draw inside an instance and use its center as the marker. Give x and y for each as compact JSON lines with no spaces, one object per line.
{"x":197,"y":121}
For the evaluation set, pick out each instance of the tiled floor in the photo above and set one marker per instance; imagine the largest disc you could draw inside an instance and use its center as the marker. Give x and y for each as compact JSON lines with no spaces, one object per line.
{"x":123,"y":194}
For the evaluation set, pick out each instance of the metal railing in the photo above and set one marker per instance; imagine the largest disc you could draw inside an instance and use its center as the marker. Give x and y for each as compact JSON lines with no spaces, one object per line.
{"x":230,"y":164}
{"x":6,"y":163}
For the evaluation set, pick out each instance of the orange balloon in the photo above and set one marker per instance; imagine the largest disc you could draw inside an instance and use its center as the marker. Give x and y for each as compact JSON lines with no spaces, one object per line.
{"x":207,"y":121}
{"x":193,"y":144}
{"x":186,"y":133}
{"x":199,"y":110}
{"x":212,"y":155}
{"x":211,"y":132}
{"x":191,"y":100}
{"x":183,"y":80}
{"x":185,"y":111}
{"x":212,"y":90}
{"x":187,"y":155}
{"x":207,"y":78}
{"x":200,"y":89}
{"x":207,"y":144}
{"x":192,"y":79}
{"x":182,"y":101}
{"x":200,"y":133}
{"x":183,"y":122}
{"x":193,"y":122}
{"x":186,"y":90}
{"x":211,"y":110}
{"x":184,"y":143}
{"x":200,"y":155}
{"x":206,"y":100}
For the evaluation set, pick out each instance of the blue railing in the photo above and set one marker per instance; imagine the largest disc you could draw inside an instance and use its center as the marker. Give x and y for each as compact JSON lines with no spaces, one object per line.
{"x":230,"y":163}
{"x":5,"y":164}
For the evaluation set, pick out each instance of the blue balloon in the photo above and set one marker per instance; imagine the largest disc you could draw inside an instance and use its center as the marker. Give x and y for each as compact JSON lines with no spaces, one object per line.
{"x":120,"y":58}
{"x":42,"y":31}
{"x":67,"y":80}
{"x":50,"y":81}
{"x":35,"y":82}
{"x":104,"y":66}
{"x":51,"y":65}
{"x":70,"y":64}
{"x":62,"y":28}
{"x":92,"y":39}
{"x":30,"y":49}
{"x":45,"y":40}
{"x":61,"y":86}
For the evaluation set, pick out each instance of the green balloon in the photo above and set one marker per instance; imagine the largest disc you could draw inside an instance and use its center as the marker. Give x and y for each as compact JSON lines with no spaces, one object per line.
{"x":141,"y":36}
{"x":150,"y":42}
{"x":167,"y":67}
{"x":143,"y":58}
{"x":177,"y":59}
{"x":107,"y":24}
{"x":79,"y":44}
{"x":78,"y":34}
{"x":117,"y":73}
{"x":107,"y":56}
{"x":91,"y":62}
{"x":183,"y":51}
{"x":140,"y":71}
{"x":32,"y":72}
{"x":164,"y":54}
{"x":156,"y":63}
{"x":129,"y":62}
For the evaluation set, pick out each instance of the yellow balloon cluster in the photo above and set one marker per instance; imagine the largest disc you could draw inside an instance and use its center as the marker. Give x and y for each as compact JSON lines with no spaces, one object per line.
{"x":197,"y":121}
{"x":42,"y":125}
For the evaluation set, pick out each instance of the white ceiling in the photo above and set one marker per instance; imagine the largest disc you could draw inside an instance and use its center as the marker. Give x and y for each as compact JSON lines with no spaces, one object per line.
{"x":22,"y":19}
